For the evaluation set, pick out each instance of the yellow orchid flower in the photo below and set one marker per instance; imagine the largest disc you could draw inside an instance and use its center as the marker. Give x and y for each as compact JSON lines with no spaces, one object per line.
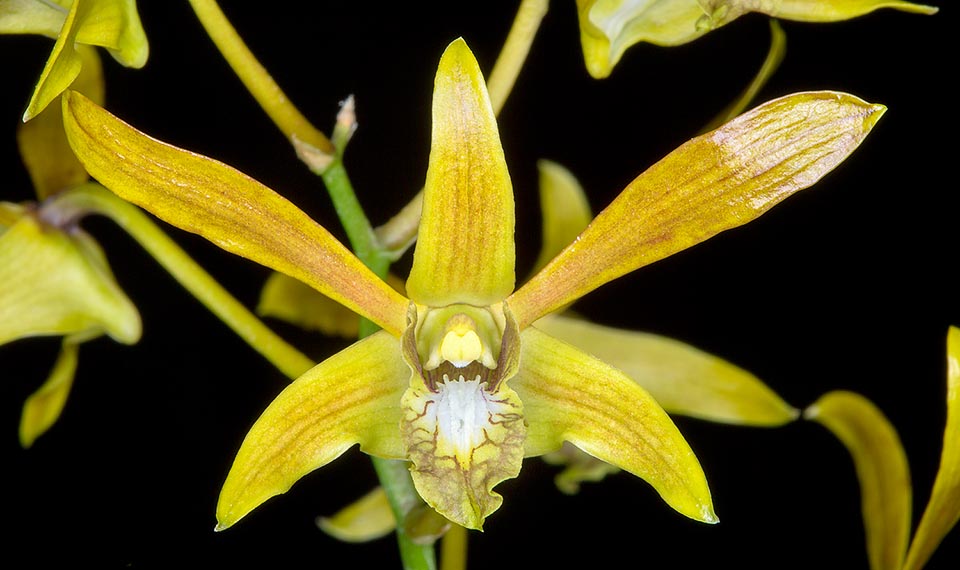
{"x":112,"y":24}
{"x":54,"y":278}
{"x":459,"y":382}
{"x":609,"y":27}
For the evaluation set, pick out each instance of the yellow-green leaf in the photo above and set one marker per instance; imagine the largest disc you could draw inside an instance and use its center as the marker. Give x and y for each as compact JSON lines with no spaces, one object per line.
{"x":211,"y":199}
{"x":465,"y":248}
{"x":352,"y":397}
{"x":712,"y":183}
{"x":42,"y":408}
{"x":55,"y":284}
{"x":368,"y":518}
{"x":943,"y":509}
{"x":43,"y":144}
{"x":570,"y":396}
{"x":565,"y":209}
{"x":682,"y":379}
{"x":882,"y":470}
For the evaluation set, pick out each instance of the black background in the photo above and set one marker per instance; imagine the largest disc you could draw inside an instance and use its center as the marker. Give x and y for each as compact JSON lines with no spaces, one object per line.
{"x":850,"y":285}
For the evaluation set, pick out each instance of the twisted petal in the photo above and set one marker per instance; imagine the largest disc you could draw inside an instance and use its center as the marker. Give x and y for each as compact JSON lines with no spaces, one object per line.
{"x":565,"y":209}
{"x":570,"y":396}
{"x":714,"y":182}
{"x":42,"y":409}
{"x":465,"y":249}
{"x":363,"y":520}
{"x":352,"y":397}
{"x":208,"y":198}
{"x":943,"y":509}
{"x":609,"y":27}
{"x":52,"y":283}
{"x":882,"y":469}
{"x":681,"y":378}
{"x":43,"y":145}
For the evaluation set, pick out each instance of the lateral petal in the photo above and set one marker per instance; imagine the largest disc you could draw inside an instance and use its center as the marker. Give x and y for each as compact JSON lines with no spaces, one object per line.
{"x":882,"y":470}
{"x":682,"y":379}
{"x":943,"y":509}
{"x":570,"y":396}
{"x":565,"y":209}
{"x":712,"y":183}
{"x":465,"y":248}
{"x":211,"y":199}
{"x":352,"y":397}
{"x":42,"y":408}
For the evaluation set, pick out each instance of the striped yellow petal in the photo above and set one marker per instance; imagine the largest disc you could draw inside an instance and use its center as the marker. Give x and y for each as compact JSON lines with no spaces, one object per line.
{"x":368,"y":518}
{"x":570,"y":396}
{"x":682,"y":379}
{"x":211,"y":199}
{"x":882,"y":469}
{"x":352,"y":397}
{"x":943,"y":509}
{"x":465,"y":248}
{"x":712,"y":183}
{"x":564,"y":207}
{"x":43,"y":145}
{"x":52,"y":283}
{"x":42,"y":408}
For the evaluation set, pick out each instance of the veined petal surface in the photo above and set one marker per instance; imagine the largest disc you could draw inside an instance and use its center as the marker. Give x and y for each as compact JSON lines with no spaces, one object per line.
{"x":682,"y":379}
{"x":352,"y":397}
{"x":211,"y":199}
{"x":711,"y":183}
{"x":882,"y":469}
{"x":943,"y":509}
{"x":570,"y":396}
{"x":465,"y":247}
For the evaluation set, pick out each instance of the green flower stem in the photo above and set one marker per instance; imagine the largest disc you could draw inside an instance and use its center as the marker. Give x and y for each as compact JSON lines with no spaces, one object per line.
{"x":355,"y":223}
{"x":453,"y":550}
{"x":256,"y":78}
{"x":395,"y":478}
{"x":93,"y":198}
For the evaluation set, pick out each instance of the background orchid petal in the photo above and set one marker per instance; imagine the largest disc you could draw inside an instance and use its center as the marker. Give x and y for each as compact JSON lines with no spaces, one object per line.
{"x":368,"y":518}
{"x":55,"y":284}
{"x":115,"y":25}
{"x":943,"y":509}
{"x":682,"y":379}
{"x":882,"y":470}
{"x":43,"y":144}
{"x":62,"y":66}
{"x":570,"y":396}
{"x":211,"y":199}
{"x":711,"y":183}
{"x":352,"y":397}
{"x":465,"y":247}
{"x":42,"y":408}
{"x":564,"y":207}
{"x":32,"y":17}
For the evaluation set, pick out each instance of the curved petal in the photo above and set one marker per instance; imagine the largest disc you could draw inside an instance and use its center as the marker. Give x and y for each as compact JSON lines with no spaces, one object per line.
{"x":55,"y":284}
{"x":943,"y":509}
{"x":882,"y":469}
{"x":115,"y":25}
{"x":62,"y":66}
{"x":570,"y":396}
{"x":42,"y":408}
{"x":32,"y":17}
{"x":211,"y":199}
{"x":352,"y":397}
{"x":294,"y":302}
{"x":368,"y":518}
{"x":465,"y":250}
{"x":712,"y":183}
{"x":565,"y":209}
{"x":43,"y":144}
{"x":682,"y":379}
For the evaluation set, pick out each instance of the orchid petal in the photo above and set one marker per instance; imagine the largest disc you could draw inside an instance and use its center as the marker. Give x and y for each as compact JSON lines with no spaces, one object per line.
{"x":570,"y":396}
{"x":62,"y":66}
{"x":52,"y":283}
{"x":211,"y":199}
{"x":682,"y":379}
{"x":115,"y":25}
{"x":352,"y":397}
{"x":712,"y":183}
{"x":42,"y":408}
{"x":943,"y":509}
{"x":882,"y":469}
{"x":465,"y":248}
{"x":32,"y":17}
{"x":609,"y":27}
{"x":578,"y":467}
{"x":43,"y":144}
{"x":565,"y":209}
{"x":368,"y":518}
